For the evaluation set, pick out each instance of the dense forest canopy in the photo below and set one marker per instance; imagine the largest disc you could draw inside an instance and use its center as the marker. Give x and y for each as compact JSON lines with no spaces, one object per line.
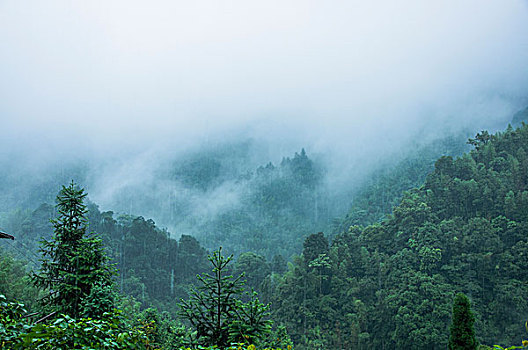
{"x":391,"y":284}
{"x":263,"y":175}
{"x":383,"y":276}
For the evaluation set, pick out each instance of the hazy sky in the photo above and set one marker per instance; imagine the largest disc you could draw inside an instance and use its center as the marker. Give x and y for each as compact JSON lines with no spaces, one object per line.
{"x":117,"y":74}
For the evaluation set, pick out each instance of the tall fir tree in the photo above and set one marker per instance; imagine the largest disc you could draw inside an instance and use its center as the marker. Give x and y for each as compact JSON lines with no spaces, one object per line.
{"x":75,"y":269}
{"x":216,"y":311}
{"x":462,"y":334}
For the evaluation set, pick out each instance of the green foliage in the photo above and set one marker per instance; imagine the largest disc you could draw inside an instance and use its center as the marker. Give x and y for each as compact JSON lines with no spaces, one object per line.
{"x":12,"y":324}
{"x":386,"y":285}
{"x":251,"y":323}
{"x":153,"y":267}
{"x":462,"y":334}
{"x":390,"y":284}
{"x":278,"y":205}
{"x":314,"y":245}
{"x":14,"y":280}
{"x":384,"y":187}
{"x":85,"y":333}
{"x":72,"y":262}
{"x":254,"y":267}
{"x":108,"y":332}
{"x":217,"y":313}
{"x":498,"y":347}
{"x":101,"y":299}
{"x":523,"y":346}
{"x":161,"y":331}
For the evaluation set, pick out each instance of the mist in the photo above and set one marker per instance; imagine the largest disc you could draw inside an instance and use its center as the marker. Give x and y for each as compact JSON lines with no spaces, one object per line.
{"x":125,"y":89}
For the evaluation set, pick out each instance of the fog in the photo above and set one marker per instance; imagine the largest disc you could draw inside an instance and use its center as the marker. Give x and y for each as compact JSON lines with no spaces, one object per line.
{"x":125,"y":86}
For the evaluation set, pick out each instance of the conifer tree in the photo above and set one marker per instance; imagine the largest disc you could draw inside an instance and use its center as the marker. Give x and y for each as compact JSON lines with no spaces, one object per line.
{"x":74,"y":267}
{"x":462,"y":335}
{"x":216,"y":311}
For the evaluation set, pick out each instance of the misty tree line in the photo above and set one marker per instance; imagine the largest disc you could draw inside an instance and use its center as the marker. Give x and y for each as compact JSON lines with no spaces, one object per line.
{"x":389,"y":284}
{"x":277,"y":205}
{"x":74,"y":289}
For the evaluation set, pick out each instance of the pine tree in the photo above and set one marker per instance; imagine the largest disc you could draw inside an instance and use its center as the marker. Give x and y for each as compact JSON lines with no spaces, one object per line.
{"x":216,"y":312}
{"x":462,"y":335}
{"x":74,"y":267}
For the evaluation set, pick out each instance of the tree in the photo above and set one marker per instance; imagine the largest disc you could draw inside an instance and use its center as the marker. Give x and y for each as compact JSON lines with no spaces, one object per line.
{"x":462,"y":335}
{"x":73,"y":262}
{"x":254,"y":267}
{"x":278,"y":264}
{"x":482,"y":138}
{"x":217,"y":313}
{"x":314,"y":245}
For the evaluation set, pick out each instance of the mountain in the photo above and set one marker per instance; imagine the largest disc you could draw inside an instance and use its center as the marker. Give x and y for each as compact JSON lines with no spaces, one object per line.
{"x":391,"y":284}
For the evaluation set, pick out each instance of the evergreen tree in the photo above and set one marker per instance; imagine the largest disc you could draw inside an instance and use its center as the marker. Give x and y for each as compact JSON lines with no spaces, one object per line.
{"x":462,"y":335}
{"x":314,"y":245}
{"x":216,"y":312}
{"x":73,"y":262}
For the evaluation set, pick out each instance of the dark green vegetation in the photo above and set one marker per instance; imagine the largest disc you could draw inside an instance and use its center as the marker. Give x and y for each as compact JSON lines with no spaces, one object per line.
{"x":278,"y":205}
{"x":461,"y":332}
{"x":383,"y":189}
{"x":384,"y":278}
{"x":74,"y":268}
{"x":390,"y":285}
{"x":216,"y":311}
{"x":76,"y":280}
{"x":150,"y":266}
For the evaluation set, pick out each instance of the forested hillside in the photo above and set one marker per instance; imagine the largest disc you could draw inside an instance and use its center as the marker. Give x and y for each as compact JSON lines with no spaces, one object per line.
{"x":222,"y":197}
{"x":152,"y":267}
{"x":281,"y":204}
{"x":390,"y":285}
{"x":213,"y":194}
{"x":384,"y":187}
{"x":260,"y":175}
{"x":381,"y":282}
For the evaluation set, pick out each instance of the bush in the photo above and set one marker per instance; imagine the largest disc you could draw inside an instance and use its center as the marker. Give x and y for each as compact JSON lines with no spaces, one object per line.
{"x":110,"y":332}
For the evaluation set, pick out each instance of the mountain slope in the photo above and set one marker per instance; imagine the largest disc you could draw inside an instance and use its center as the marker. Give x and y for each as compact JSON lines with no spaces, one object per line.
{"x":390,"y":284}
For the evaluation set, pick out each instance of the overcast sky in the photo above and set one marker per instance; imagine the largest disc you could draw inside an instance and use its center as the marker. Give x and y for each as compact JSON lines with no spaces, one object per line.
{"x":117,"y":74}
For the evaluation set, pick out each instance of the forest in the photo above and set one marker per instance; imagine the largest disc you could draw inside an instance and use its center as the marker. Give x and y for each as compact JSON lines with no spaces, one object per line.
{"x":263,"y":175}
{"x":442,"y":230}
